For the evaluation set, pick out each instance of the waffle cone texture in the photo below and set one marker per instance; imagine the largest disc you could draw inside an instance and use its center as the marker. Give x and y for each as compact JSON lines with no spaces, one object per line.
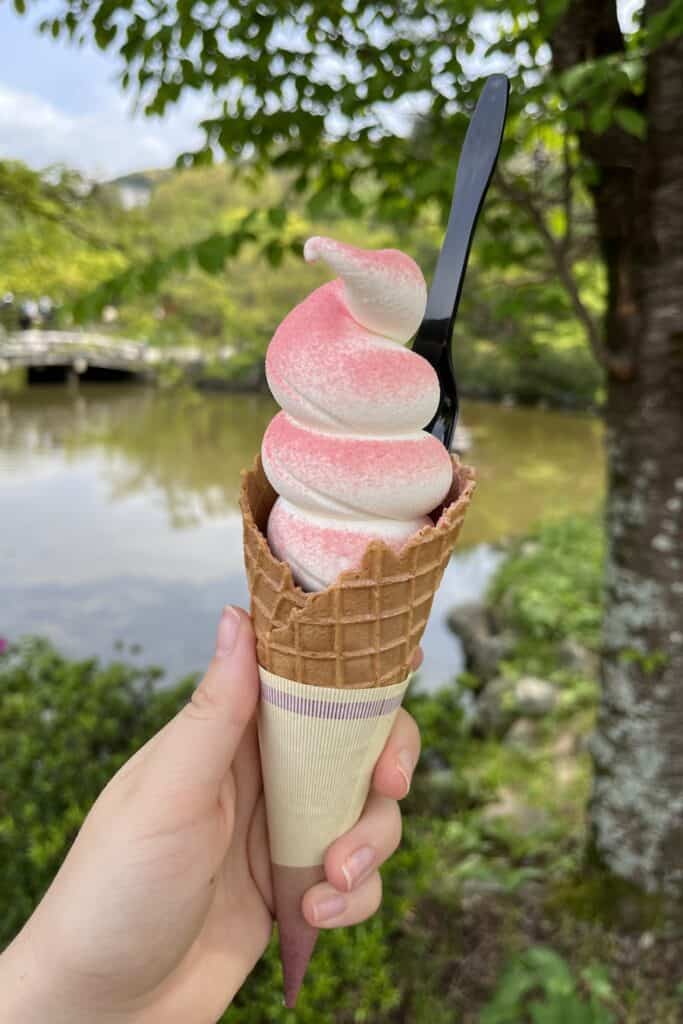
{"x":364,"y":629}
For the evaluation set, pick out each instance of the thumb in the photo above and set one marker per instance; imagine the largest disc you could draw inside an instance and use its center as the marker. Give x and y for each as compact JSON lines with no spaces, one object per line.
{"x":199,"y":744}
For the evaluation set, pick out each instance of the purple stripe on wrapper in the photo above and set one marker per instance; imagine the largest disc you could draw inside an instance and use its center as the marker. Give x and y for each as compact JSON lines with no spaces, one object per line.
{"x":336,"y":709}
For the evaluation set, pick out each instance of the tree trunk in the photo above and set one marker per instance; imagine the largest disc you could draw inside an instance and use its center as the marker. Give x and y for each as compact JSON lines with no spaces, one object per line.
{"x":637,"y":802}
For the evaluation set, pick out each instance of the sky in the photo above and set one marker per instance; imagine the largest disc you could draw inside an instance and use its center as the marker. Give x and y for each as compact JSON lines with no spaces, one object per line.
{"x":59,"y":104}
{"x":63,"y":105}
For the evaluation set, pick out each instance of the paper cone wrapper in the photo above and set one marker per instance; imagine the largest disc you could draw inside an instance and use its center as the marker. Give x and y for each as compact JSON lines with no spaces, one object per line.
{"x":319,"y":746}
{"x":334,"y":667}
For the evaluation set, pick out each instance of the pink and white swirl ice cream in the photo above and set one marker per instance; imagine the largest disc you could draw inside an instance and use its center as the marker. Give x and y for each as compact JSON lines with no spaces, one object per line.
{"x":347,"y":455}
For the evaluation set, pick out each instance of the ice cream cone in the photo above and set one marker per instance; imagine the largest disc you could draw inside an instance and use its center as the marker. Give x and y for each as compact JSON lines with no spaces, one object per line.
{"x":323,"y":656}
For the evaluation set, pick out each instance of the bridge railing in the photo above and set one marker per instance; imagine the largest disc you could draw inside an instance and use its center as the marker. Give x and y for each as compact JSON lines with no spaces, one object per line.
{"x":45,"y":348}
{"x":41,"y":342}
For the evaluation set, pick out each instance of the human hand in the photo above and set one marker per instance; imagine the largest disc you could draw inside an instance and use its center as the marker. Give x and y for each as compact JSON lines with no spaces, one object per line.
{"x":163,"y":905}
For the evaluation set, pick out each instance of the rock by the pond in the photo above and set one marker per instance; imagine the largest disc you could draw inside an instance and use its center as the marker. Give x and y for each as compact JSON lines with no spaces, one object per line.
{"x":567,"y":771}
{"x":577,"y":658}
{"x":567,"y":744}
{"x":516,"y":812}
{"x":475,"y":891}
{"x":523,"y":733}
{"x":495,"y":711}
{"x":534,"y":697}
{"x":483,"y":647}
{"x":503,"y":700}
{"x":438,"y":793}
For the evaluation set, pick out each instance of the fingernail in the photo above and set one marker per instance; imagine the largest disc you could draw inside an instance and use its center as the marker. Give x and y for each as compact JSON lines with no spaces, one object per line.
{"x":357,"y":865}
{"x":228,"y":629}
{"x":405,"y":763}
{"x":329,"y":908}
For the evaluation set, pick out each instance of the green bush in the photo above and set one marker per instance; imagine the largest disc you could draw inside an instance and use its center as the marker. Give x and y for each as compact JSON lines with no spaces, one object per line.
{"x":550,"y":587}
{"x":65,"y":728}
{"x":538,"y":987}
{"x":529,"y":372}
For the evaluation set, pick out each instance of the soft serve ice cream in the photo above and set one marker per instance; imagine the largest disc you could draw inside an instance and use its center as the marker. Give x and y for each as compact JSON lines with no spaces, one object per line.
{"x":347,"y":454}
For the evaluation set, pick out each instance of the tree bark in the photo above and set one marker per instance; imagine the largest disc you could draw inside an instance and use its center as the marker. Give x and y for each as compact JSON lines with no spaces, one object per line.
{"x":637,"y":802}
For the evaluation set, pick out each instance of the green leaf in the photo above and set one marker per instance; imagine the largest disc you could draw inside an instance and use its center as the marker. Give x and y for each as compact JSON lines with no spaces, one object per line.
{"x":599,"y":118}
{"x":632,"y":121}
{"x":351,"y":203}
{"x":210,"y":254}
{"x":517,"y":981}
{"x":274,"y":252}
{"x":665,"y":24}
{"x":319,"y":203}
{"x":597,"y":980}
{"x":552,"y":970}
{"x":277,"y":216}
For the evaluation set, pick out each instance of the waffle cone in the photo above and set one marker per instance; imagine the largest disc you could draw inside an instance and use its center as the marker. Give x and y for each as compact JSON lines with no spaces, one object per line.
{"x":364,"y":629}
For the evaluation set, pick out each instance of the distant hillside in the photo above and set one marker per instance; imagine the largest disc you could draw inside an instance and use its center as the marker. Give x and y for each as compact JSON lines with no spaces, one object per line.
{"x":136,"y":189}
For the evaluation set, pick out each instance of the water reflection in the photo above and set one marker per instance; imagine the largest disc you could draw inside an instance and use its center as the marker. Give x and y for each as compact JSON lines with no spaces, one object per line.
{"x":189,"y":445}
{"x":118,"y":512}
{"x":532,"y":464}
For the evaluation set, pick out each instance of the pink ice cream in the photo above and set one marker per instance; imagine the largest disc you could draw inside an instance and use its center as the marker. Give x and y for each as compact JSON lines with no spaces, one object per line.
{"x":347,"y":455}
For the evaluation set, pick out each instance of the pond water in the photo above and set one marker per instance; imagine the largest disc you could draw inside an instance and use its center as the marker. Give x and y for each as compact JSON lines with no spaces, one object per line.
{"x":119,"y":530}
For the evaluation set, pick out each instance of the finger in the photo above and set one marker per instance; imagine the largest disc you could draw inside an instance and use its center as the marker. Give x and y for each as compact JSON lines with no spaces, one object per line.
{"x":199,"y":744}
{"x":418,"y":658}
{"x":394,"y":769}
{"x":359,"y":852}
{"x":246,"y":771}
{"x":242,"y":795}
{"x":259,"y":859}
{"x":324,"y":907}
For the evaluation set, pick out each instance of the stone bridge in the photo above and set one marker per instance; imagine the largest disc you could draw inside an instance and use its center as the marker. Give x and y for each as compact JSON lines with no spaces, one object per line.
{"x":79,"y":351}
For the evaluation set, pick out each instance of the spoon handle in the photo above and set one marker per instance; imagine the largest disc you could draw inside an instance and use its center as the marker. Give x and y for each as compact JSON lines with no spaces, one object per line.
{"x":475,"y":170}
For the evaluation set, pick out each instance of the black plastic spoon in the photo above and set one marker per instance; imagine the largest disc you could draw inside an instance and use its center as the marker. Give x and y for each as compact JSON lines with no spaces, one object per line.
{"x":475,"y":170}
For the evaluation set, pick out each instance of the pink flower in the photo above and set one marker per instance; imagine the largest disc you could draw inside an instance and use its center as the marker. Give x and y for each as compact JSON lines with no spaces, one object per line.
{"x":4,"y":644}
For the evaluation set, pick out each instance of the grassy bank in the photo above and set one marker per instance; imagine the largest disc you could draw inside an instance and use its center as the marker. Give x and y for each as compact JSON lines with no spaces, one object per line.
{"x":489,"y":915}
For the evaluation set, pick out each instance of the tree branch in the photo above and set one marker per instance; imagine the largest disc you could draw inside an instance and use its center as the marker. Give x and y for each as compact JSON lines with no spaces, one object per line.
{"x":25,"y":193}
{"x":562,"y":262}
{"x":567,"y":193}
{"x":589,"y":30}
